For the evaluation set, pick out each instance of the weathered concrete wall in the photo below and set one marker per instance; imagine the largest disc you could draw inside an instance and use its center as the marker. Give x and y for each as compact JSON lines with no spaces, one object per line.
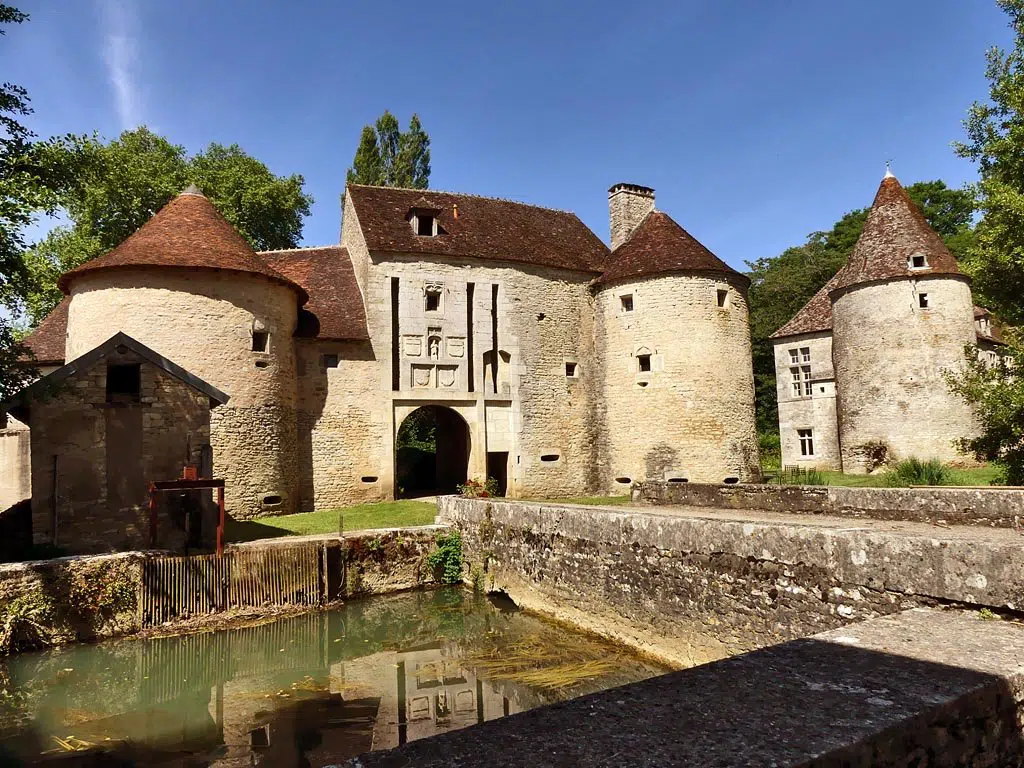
{"x":692,"y":415}
{"x":92,"y":460}
{"x":798,"y":409}
{"x":690,"y":588}
{"x":343,"y":426}
{"x":890,"y":358}
{"x":924,"y":688}
{"x":990,"y":507}
{"x":204,"y":323}
{"x":15,"y":464}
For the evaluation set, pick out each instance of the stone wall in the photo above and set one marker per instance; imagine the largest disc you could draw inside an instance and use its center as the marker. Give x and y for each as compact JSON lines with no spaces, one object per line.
{"x":923,"y":688}
{"x":692,"y":415}
{"x":890,"y":358}
{"x":989,"y":507}
{"x":544,"y":321}
{"x":15,"y":464}
{"x":204,"y":322}
{"x":815,"y":411}
{"x":92,"y":460}
{"x":690,"y":589}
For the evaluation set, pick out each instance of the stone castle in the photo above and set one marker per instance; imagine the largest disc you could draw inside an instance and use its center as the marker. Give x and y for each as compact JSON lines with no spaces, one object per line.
{"x":548,"y":361}
{"x":860,"y":370}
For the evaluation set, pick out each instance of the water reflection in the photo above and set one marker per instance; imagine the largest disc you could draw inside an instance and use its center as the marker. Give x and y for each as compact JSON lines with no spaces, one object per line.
{"x":306,"y":691}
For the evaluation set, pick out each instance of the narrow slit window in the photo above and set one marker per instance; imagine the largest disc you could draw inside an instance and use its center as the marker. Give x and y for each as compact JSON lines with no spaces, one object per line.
{"x":723,"y":298}
{"x":643,"y":363}
{"x":627,"y":302}
{"x":922,"y":300}
{"x":806,"y":437}
{"x":548,"y":457}
{"x":260,"y":341}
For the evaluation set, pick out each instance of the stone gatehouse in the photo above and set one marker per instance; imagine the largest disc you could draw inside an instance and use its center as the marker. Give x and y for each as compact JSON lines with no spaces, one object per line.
{"x":553,"y":363}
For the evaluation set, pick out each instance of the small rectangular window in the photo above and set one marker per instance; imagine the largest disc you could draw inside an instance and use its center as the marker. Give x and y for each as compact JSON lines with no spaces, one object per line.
{"x":124,"y":383}
{"x":643,"y":363}
{"x":424,"y":225}
{"x":805,"y":354}
{"x":918,"y":261}
{"x":260,"y":341}
{"x":627,"y":303}
{"x":433,"y":301}
{"x":570,"y":370}
{"x":330,"y":361}
{"x":723,"y":297}
{"x":794,"y":356}
{"x":806,"y":437}
{"x":922,"y":300}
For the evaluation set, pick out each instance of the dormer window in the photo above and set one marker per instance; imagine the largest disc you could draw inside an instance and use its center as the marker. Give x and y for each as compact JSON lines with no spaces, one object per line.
{"x":918,"y":261}
{"x":424,"y":221}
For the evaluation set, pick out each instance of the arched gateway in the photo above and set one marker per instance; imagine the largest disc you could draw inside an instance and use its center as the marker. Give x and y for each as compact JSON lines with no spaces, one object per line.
{"x":431,"y":452}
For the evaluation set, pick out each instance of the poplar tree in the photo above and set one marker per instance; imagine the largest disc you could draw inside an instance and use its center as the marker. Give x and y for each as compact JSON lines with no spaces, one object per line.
{"x":389,"y":157}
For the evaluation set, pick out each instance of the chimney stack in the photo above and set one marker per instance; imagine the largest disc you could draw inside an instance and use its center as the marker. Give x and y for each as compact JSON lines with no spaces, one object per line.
{"x":628,"y":204}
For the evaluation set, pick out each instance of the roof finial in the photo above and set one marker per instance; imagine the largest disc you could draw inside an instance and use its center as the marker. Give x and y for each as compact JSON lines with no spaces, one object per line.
{"x":192,"y":189}
{"x":888,"y":171}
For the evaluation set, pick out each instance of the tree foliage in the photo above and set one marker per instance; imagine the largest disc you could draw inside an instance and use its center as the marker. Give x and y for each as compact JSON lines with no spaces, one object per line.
{"x":995,"y":141}
{"x":108,"y":189}
{"x":26,"y":188}
{"x":781,"y":285}
{"x":389,"y":157}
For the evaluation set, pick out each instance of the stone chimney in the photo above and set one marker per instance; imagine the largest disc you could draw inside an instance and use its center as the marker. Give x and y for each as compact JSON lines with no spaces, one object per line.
{"x":628,"y":204}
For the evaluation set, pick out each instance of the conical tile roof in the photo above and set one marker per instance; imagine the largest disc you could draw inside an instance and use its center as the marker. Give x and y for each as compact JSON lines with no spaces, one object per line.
{"x":658,"y":245}
{"x":187,"y":233}
{"x":894,"y":233}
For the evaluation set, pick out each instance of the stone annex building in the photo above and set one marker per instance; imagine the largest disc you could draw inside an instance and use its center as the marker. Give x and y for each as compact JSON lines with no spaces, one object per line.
{"x":862,"y":364}
{"x":552,"y":363}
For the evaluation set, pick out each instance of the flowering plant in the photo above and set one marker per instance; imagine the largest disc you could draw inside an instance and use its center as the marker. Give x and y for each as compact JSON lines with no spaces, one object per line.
{"x":474,"y":489}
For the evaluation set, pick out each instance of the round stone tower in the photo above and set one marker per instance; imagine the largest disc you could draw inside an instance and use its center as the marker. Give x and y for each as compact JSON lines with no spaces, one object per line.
{"x":902,"y":314}
{"x":676,"y":385}
{"x":187,"y":285}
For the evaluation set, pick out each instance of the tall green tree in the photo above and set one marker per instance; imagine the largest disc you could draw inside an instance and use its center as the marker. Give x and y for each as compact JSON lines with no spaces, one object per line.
{"x":26,"y":188}
{"x":389,"y":157}
{"x":995,"y":141}
{"x":781,"y":285}
{"x":108,"y":189}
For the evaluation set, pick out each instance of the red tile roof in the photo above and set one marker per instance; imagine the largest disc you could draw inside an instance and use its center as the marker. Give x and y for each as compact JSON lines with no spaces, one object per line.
{"x":47,"y":340}
{"x":815,"y":316}
{"x":335,"y":306}
{"x":188,"y":232}
{"x":659,"y":245}
{"x":485,"y":228}
{"x":894,"y":231}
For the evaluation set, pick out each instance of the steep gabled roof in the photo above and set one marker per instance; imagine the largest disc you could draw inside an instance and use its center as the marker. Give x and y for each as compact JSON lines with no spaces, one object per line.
{"x":22,"y":399}
{"x":815,"y":316}
{"x":188,"y":232}
{"x":48,"y":339}
{"x":485,"y":228}
{"x":335,"y":306}
{"x":895,"y":231}
{"x":659,"y":245}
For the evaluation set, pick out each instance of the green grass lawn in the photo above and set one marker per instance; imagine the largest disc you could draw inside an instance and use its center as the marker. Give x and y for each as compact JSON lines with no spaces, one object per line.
{"x":974,"y":476}
{"x":386,"y":514}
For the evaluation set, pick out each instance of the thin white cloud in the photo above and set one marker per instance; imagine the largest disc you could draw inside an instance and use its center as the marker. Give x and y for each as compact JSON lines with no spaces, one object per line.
{"x":121,"y":56}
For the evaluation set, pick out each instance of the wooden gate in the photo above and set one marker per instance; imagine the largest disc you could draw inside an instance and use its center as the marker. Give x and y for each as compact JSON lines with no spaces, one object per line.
{"x":175,"y":588}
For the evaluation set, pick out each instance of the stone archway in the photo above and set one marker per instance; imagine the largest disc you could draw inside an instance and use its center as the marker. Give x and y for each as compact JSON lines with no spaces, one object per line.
{"x":431,"y":452}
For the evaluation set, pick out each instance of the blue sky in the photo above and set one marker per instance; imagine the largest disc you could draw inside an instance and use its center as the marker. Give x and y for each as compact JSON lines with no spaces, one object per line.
{"x":756,"y":122}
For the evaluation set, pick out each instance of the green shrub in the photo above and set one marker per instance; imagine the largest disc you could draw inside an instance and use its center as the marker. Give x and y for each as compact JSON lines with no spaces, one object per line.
{"x":769,"y":446}
{"x":446,"y":559}
{"x":914,"y":471}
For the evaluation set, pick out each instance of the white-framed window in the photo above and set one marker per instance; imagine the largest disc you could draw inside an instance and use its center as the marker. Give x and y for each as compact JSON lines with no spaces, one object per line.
{"x":794,"y":356}
{"x":801,"y":379}
{"x":626,"y":302}
{"x":806,"y":438}
{"x":918,"y":261}
{"x":424,"y":224}
{"x":805,"y":354}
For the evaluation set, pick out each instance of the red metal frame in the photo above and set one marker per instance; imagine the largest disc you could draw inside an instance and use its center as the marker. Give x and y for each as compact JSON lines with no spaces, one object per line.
{"x":191,"y":484}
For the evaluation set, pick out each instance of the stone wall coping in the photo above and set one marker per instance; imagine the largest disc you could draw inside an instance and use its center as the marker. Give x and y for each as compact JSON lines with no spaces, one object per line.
{"x":921,"y":683}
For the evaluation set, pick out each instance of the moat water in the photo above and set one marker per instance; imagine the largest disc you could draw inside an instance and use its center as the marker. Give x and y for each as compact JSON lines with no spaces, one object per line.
{"x":311,"y":690}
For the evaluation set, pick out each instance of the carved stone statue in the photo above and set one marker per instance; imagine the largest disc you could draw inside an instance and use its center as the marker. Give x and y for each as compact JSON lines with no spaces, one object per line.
{"x":434,"y":348}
